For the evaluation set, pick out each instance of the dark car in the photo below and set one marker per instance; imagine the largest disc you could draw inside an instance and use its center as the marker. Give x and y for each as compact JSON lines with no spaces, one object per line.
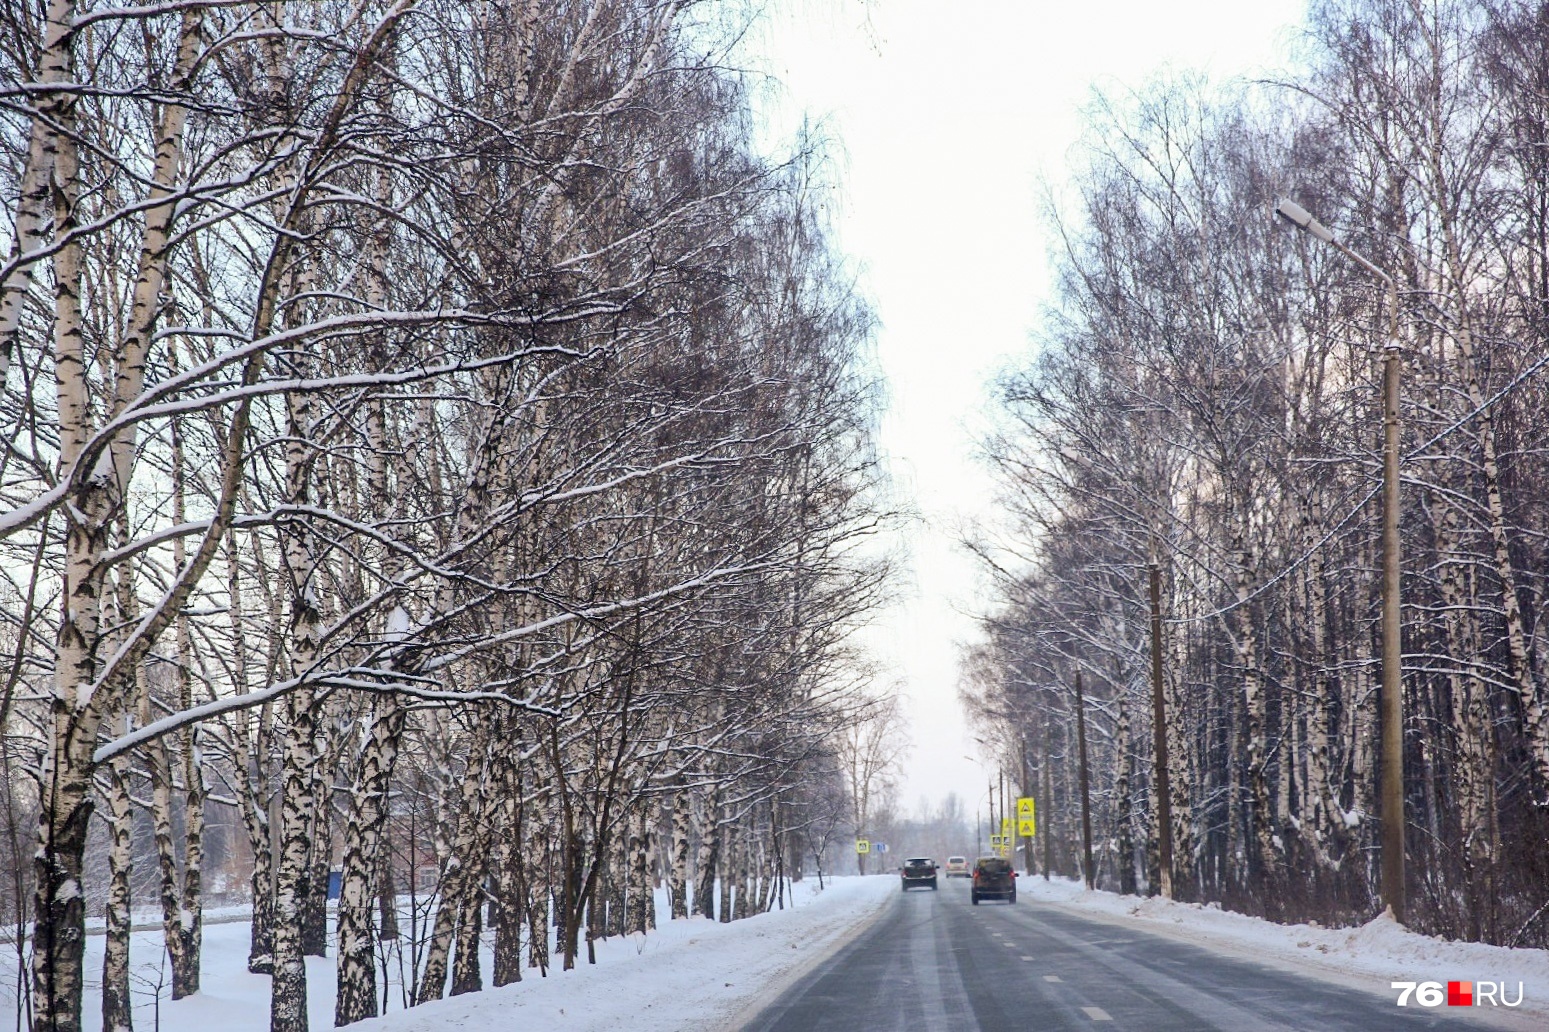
{"x":920,"y":870}
{"x":994,"y":878}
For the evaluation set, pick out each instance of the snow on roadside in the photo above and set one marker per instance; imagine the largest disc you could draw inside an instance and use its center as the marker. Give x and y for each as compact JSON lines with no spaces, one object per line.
{"x":686,"y":974}
{"x":1372,"y":955}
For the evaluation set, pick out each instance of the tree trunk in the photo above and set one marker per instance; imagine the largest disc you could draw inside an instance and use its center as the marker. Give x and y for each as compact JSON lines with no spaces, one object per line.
{"x":510,"y":888}
{"x":363,"y":838}
{"x":65,"y":806}
{"x":726,"y":869}
{"x":116,"y":1002}
{"x":1123,"y":798}
{"x":641,"y":906}
{"x":288,"y":988}
{"x":708,"y":858}
{"x":677,"y":879}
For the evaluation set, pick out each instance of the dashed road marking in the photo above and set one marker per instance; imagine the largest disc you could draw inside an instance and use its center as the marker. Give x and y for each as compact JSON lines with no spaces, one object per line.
{"x":1052,"y":978}
{"x":1026,"y":957}
{"x":1097,"y":1014}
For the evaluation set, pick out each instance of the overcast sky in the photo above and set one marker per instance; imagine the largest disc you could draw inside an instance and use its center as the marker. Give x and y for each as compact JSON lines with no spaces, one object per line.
{"x":945,"y":117}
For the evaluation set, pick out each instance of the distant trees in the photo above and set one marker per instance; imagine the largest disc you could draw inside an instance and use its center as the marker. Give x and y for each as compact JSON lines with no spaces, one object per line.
{"x":1205,"y":403}
{"x":435,"y":434}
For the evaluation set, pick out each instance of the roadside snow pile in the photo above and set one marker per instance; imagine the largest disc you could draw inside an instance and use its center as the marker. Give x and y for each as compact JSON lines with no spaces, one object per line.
{"x":686,"y":974}
{"x":1373,"y":955}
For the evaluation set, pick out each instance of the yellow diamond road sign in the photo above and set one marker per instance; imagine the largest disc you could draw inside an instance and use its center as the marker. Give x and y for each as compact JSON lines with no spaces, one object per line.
{"x":862,"y":846}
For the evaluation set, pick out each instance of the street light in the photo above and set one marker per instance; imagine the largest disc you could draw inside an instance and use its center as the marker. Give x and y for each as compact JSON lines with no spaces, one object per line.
{"x":1391,"y":788}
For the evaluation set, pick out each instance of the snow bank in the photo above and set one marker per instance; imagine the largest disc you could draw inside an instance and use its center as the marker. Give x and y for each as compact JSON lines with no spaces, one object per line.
{"x":1371,"y":956}
{"x":687,"y":974}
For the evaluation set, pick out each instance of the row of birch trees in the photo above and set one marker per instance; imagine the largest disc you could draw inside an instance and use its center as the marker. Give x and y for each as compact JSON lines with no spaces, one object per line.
{"x":1205,"y":404}
{"x":436,"y":446}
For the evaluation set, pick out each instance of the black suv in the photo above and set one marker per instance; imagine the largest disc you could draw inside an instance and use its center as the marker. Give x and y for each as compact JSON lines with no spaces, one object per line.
{"x":920,"y":870}
{"x":994,"y":878}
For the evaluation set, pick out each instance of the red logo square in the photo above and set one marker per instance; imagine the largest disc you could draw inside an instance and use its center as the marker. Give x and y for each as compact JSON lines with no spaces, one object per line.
{"x":1460,"y":994}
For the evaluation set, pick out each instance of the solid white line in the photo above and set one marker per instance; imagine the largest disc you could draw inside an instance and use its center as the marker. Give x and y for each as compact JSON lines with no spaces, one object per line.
{"x":1097,"y":1014}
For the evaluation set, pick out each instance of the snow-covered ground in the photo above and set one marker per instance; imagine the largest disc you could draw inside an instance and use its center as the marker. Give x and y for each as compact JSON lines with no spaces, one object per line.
{"x":698,"y":974}
{"x":1371,"y":957}
{"x":692,"y":974}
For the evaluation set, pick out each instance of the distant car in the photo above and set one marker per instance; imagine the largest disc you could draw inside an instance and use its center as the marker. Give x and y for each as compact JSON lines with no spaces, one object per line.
{"x":994,"y":878}
{"x":957,"y":867}
{"x":919,"y":870}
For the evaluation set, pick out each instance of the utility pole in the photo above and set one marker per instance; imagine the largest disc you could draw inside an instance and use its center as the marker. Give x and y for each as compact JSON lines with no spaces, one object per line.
{"x":1048,"y":803}
{"x":1392,"y":778}
{"x":1161,"y":787}
{"x":1028,"y":843}
{"x":1086,"y":791}
{"x":1390,"y":789}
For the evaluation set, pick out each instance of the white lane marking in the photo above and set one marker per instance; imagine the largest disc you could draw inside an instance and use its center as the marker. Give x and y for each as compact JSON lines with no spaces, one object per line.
{"x":1026,"y":957}
{"x":1052,"y":978}
{"x":1097,"y":1014}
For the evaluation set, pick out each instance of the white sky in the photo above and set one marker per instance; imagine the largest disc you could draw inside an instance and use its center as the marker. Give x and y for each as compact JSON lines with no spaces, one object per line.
{"x":945,"y":116}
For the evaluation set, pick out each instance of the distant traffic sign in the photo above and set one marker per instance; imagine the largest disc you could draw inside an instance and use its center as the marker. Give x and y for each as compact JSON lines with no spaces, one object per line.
{"x":1025,"y":808}
{"x":879,"y":847}
{"x":862,"y":846}
{"x":1027,"y":828}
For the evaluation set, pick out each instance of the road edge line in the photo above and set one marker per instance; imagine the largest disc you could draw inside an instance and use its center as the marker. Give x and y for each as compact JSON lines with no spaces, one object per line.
{"x":772,"y":990}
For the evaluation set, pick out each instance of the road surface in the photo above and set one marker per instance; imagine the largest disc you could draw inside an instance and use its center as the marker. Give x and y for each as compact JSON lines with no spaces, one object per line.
{"x":933,"y":961}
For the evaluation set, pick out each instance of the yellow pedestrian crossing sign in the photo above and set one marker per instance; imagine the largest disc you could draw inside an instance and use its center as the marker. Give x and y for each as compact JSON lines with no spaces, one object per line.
{"x":862,"y":846}
{"x":1027,"y":825}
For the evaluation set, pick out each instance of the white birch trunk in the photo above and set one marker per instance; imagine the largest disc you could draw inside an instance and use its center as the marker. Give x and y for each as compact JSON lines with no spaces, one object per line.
{"x":677,"y":881}
{"x":357,"y":992}
{"x":59,"y":913}
{"x":117,"y":1014}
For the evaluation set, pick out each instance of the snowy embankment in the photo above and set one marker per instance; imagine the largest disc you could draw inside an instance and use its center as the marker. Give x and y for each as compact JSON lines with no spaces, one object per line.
{"x":1371,"y":956}
{"x":693,"y":974}
{"x":687,"y":974}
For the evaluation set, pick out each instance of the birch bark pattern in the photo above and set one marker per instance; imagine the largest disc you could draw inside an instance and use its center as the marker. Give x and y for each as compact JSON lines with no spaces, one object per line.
{"x":288,"y":989}
{"x":357,"y":997}
{"x":59,"y":912}
{"x":117,"y":1003}
{"x":677,"y":884}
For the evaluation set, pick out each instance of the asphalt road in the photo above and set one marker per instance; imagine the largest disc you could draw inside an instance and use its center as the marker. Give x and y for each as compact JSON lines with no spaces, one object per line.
{"x":933,"y":962}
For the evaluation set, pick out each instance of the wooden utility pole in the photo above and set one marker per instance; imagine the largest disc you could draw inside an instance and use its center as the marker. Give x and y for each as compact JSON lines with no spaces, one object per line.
{"x":1028,"y":844}
{"x":1161,"y":787}
{"x":1391,"y":805}
{"x":1048,"y":803}
{"x":1086,"y":791}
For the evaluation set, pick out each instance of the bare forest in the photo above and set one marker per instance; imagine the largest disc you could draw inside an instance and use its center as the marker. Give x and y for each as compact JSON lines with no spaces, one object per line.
{"x":438,"y":460}
{"x":1204,"y":414}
